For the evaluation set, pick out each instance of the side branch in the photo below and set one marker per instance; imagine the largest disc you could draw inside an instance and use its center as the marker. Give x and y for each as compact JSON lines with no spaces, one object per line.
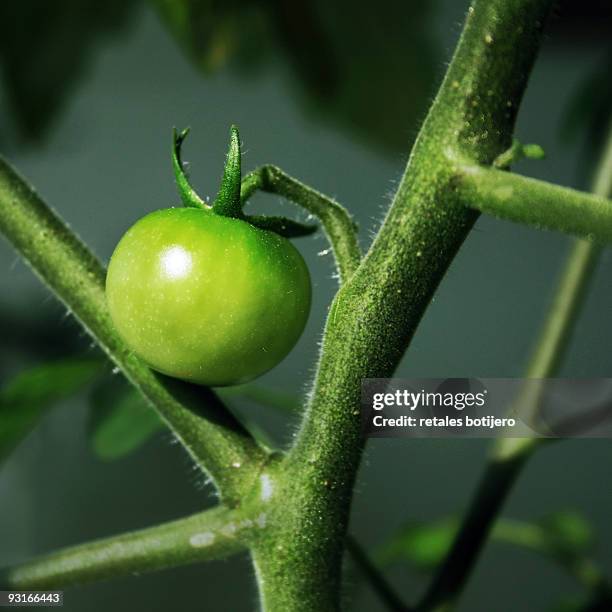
{"x":337,"y":223}
{"x":537,"y":203}
{"x":391,"y":600}
{"x":510,"y":455}
{"x":212,"y":534}
{"x":495,"y":485}
{"x":210,"y":433}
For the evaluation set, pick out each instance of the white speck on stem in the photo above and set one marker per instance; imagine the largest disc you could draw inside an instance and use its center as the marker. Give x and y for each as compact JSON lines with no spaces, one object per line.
{"x":267,"y":488}
{"x":199,"y":540}
{"x":261,"y":520}
{"x":229,"y":530}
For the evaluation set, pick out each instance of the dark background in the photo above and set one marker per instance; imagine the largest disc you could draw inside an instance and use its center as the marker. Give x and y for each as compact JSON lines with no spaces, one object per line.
{"x":334,"y":94}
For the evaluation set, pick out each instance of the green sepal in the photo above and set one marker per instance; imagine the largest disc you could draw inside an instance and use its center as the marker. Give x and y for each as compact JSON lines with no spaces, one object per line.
{"x":227,"y":203}
{"x":189,"y":197}
{"x":281,"y":226}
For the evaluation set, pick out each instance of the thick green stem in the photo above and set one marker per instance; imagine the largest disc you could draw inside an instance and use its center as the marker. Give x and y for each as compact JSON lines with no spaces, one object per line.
{"x":337,"y":223}
{"x":213,"y":437}
{"x":376,"y":312}
{"x":212,"y":534}
{"x":511,"y":454}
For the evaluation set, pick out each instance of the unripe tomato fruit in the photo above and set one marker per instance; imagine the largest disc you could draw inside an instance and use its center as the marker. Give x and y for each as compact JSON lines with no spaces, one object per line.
{"x":207,"y":298}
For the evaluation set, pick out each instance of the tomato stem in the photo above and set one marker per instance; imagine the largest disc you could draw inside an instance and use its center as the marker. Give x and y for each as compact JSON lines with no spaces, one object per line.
{"x":338,"y":225}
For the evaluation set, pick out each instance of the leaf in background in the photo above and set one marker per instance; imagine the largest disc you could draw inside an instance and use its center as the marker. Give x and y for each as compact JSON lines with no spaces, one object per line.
{"x":280,"y":400}
{"x":258,"y":432}
{"x":568,"y":533}
{"x":41,"y":335}
{"x":44,"y":49}
{"x":269,"y":398}
{"x":384,"y":65}
{"x":589,"y":114}
{"x":217,"y":32}
{"x":121,"y":420}
{"x":595,"y":603}
{"x":371,"y":74}
{"x":591,"y":105}
{"x":24,"y":399}
{"x":570,"y":604}
{"x":423,"y":545}
{"x":560,"y":536}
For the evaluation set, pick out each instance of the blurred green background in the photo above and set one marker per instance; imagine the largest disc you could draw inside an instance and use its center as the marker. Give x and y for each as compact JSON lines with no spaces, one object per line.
{"x":334,"y":94}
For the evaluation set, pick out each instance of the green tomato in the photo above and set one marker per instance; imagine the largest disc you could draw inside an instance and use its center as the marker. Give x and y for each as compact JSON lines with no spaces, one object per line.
{"x":207,"y":298}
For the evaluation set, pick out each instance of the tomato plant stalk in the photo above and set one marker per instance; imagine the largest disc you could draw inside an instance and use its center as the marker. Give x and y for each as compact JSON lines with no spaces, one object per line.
{"x":375,"y":313}
{"x":291,"y":510}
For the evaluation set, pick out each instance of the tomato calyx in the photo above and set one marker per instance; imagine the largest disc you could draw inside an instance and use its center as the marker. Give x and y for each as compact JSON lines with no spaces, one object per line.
{"x":189,"y":196}
{"x":228,"y":202}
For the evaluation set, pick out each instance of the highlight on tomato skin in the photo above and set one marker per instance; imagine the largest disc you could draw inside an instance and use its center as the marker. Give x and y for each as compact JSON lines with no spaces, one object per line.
{"x":207,"y":298}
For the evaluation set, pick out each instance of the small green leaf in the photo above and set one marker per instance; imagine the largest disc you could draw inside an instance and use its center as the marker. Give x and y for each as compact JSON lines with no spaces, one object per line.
{"x":568,"y":533}
{"x":521,"y":534}
{"x":516,"y":152}
{"x":570,"y":604}
{"x":424,"y":545}
{"x":282,"y":226}
{"x":189,"y":197}
{"x":227,"y":202}
{"x":559,"y":536}
{"x":24,"y":399}
{"x":533,"y":151}
{"x":122,"y":421}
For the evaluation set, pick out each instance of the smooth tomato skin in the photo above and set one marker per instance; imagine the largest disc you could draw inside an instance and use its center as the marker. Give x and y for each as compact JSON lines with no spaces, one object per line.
{"x":206,"y":298}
